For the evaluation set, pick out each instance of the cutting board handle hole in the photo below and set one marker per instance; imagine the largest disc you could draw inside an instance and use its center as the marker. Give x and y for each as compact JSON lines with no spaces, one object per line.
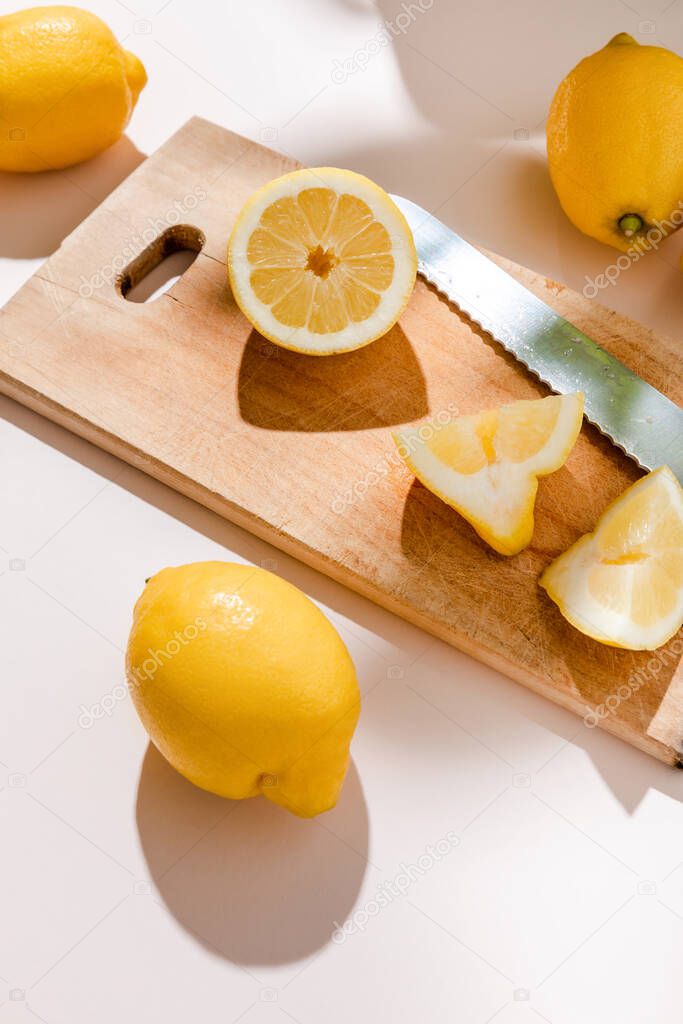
{"x":161,"y":264}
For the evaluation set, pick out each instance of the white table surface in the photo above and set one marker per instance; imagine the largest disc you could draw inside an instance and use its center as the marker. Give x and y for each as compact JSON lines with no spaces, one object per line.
{"x":126,"y":893}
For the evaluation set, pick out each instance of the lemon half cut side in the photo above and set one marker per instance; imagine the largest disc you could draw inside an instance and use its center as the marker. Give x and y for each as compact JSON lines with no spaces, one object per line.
{"x":321,"y":261}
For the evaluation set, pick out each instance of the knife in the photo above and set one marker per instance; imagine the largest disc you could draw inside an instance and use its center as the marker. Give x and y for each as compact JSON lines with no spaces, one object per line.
{"x":636,"y":417}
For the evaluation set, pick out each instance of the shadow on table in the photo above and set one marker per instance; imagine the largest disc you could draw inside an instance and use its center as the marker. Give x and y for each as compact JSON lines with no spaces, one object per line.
{"x":259,"y":886}
{"x":38,"y":211}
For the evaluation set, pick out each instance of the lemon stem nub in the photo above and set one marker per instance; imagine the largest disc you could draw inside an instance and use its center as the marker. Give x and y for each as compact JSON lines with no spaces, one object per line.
{"x":630,"y":224}
{"x":622,"y":39}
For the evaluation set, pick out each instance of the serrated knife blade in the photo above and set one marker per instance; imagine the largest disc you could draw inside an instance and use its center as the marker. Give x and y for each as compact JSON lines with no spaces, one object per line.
{"x":636,"y":417}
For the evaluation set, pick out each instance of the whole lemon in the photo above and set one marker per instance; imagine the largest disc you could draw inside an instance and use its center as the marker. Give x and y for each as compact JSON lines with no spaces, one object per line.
{"x":243,"y":684}
{"x":615,"y":143}
{"x":67,"y":88}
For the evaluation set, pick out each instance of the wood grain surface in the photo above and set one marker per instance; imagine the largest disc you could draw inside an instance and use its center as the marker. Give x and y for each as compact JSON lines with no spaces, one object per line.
{"x":298,"y":449}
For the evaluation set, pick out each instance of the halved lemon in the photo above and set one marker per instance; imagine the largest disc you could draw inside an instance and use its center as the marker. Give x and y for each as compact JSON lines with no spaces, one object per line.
{"x":321,"y":261}
{"x":487,"y":466}
{"x":623,"y":583}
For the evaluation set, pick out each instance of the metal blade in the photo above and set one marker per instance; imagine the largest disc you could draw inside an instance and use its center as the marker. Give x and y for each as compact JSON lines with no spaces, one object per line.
{"x":635,"y":416}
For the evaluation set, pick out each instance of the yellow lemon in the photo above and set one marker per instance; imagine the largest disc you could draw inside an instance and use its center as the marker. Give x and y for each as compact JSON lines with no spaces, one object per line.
{"x":623,"y":583}
{"x":68,"y":88}
{"x":615,"y":143}
{"x":321,"y":261}
{"x":243,"y":684}
{"x":487,"y":466}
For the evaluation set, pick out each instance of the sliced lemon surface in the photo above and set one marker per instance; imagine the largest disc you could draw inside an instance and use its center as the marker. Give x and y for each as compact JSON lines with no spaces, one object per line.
{"x":321,"y":261}
{"x":487,"y":466}
{"x":623,"y":583}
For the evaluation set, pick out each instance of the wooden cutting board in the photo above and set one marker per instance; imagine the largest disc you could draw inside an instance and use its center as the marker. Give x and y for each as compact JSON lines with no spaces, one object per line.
{"x":298,"y":449}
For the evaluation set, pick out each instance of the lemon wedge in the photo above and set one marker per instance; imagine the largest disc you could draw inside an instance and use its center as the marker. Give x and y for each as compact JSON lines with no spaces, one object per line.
{"x":321,"y":261}
{"x":623,"y":583}
{"x":487,"y":466}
